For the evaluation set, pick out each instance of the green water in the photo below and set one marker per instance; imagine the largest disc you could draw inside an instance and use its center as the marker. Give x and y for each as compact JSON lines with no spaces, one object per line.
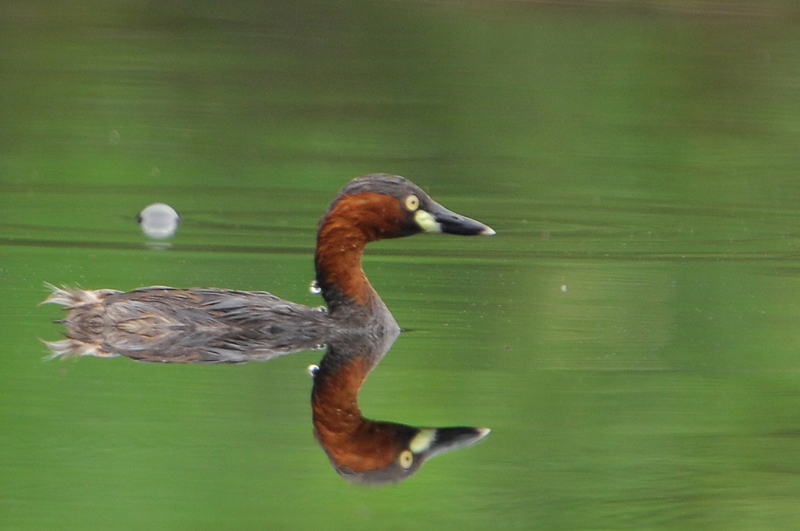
{"x":630,"y":335}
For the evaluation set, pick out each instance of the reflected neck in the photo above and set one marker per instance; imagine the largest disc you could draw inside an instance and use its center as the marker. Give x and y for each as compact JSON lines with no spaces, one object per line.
{"x":350,"y":440}
{"x":334,"y":398}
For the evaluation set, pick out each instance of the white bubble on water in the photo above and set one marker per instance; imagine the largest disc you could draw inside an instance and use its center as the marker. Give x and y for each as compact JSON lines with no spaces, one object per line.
{"x":159,"y":221}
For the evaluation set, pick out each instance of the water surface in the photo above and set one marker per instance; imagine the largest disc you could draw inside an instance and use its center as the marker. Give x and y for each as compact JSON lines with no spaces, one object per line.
{"x":630,"y":334}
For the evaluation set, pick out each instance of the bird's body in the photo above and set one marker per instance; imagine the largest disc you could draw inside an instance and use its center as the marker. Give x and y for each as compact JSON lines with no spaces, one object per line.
{"x":200,"y":325}
{"x":211,"y":325}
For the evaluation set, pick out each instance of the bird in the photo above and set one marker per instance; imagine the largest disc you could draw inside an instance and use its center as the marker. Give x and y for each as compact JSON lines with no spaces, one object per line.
{"x":213,"y":325}
{"x":362,"y":450}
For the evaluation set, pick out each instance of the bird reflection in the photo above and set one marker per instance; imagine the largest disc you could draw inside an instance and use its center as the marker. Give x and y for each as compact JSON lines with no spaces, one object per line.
{"x":363,"y":450}
{"x":210,"y":325}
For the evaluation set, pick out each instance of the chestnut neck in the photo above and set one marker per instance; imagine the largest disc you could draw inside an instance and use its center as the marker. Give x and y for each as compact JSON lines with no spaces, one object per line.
{"x":351,"y":441}
{"x":334,"y":398}
{"x":350,"y":223}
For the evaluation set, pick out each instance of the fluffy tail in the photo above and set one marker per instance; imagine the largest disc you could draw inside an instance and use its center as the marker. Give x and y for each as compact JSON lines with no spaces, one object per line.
{"x":72,"y":298}
{"x":87,"y":303}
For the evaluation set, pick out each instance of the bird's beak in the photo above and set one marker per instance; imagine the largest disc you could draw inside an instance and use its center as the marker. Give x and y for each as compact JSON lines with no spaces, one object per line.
{"x":433,"y":441}
{"x":436,"y":218}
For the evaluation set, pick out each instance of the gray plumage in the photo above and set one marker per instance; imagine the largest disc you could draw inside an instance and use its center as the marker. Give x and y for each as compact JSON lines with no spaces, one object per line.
{"x":206,"y":325}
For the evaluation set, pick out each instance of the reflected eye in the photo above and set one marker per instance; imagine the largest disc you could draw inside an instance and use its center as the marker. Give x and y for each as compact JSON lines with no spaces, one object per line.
{"x":406,"y":459}
{"x":412,"y":202}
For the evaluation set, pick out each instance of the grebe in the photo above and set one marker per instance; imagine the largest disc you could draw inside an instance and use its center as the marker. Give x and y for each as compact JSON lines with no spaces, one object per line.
{"x":363,"y":450}
{"x":211,"y":325}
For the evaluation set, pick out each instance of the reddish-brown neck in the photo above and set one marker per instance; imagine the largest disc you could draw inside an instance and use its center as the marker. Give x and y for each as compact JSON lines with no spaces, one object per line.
{"x":351,"y":223}
{"x":351,"y":441}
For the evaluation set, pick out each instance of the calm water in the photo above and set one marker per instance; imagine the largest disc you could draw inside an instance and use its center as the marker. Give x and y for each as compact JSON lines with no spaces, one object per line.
{"x":630,"y":335}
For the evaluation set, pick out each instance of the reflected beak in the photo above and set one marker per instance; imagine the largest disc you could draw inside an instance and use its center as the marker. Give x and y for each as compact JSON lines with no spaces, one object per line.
{"x":436,"y":218}
{"x":446,"y":439}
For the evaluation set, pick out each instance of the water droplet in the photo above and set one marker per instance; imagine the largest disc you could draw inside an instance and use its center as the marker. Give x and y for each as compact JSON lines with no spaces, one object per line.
{"x":312,"y":370}
{"x":314,"y":288}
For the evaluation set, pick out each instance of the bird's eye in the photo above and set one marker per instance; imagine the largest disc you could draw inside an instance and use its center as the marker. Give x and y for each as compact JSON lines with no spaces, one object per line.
{"x":406,"y":459}
{"x":412,"y":203}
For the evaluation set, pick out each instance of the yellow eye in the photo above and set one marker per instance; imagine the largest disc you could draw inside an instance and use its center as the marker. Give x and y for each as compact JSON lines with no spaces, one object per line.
{"x":412,"y":203}
{"x":406,"y":459}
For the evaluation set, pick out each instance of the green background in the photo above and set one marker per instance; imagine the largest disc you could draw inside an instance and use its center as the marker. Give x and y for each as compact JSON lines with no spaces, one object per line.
{"x":630,"y":335}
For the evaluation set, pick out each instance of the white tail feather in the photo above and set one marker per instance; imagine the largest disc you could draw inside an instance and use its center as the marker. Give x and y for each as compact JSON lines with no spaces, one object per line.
{"x":71,"y":298}
{"x":67,"y":348}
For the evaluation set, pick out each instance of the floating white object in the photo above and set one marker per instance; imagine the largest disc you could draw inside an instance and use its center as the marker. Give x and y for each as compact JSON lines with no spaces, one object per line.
{"x":159,"y":221}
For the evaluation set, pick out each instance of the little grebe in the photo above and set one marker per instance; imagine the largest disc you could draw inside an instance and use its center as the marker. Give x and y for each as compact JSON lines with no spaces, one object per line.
{"x":210,"y":325}
{"x":363,"y":450}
